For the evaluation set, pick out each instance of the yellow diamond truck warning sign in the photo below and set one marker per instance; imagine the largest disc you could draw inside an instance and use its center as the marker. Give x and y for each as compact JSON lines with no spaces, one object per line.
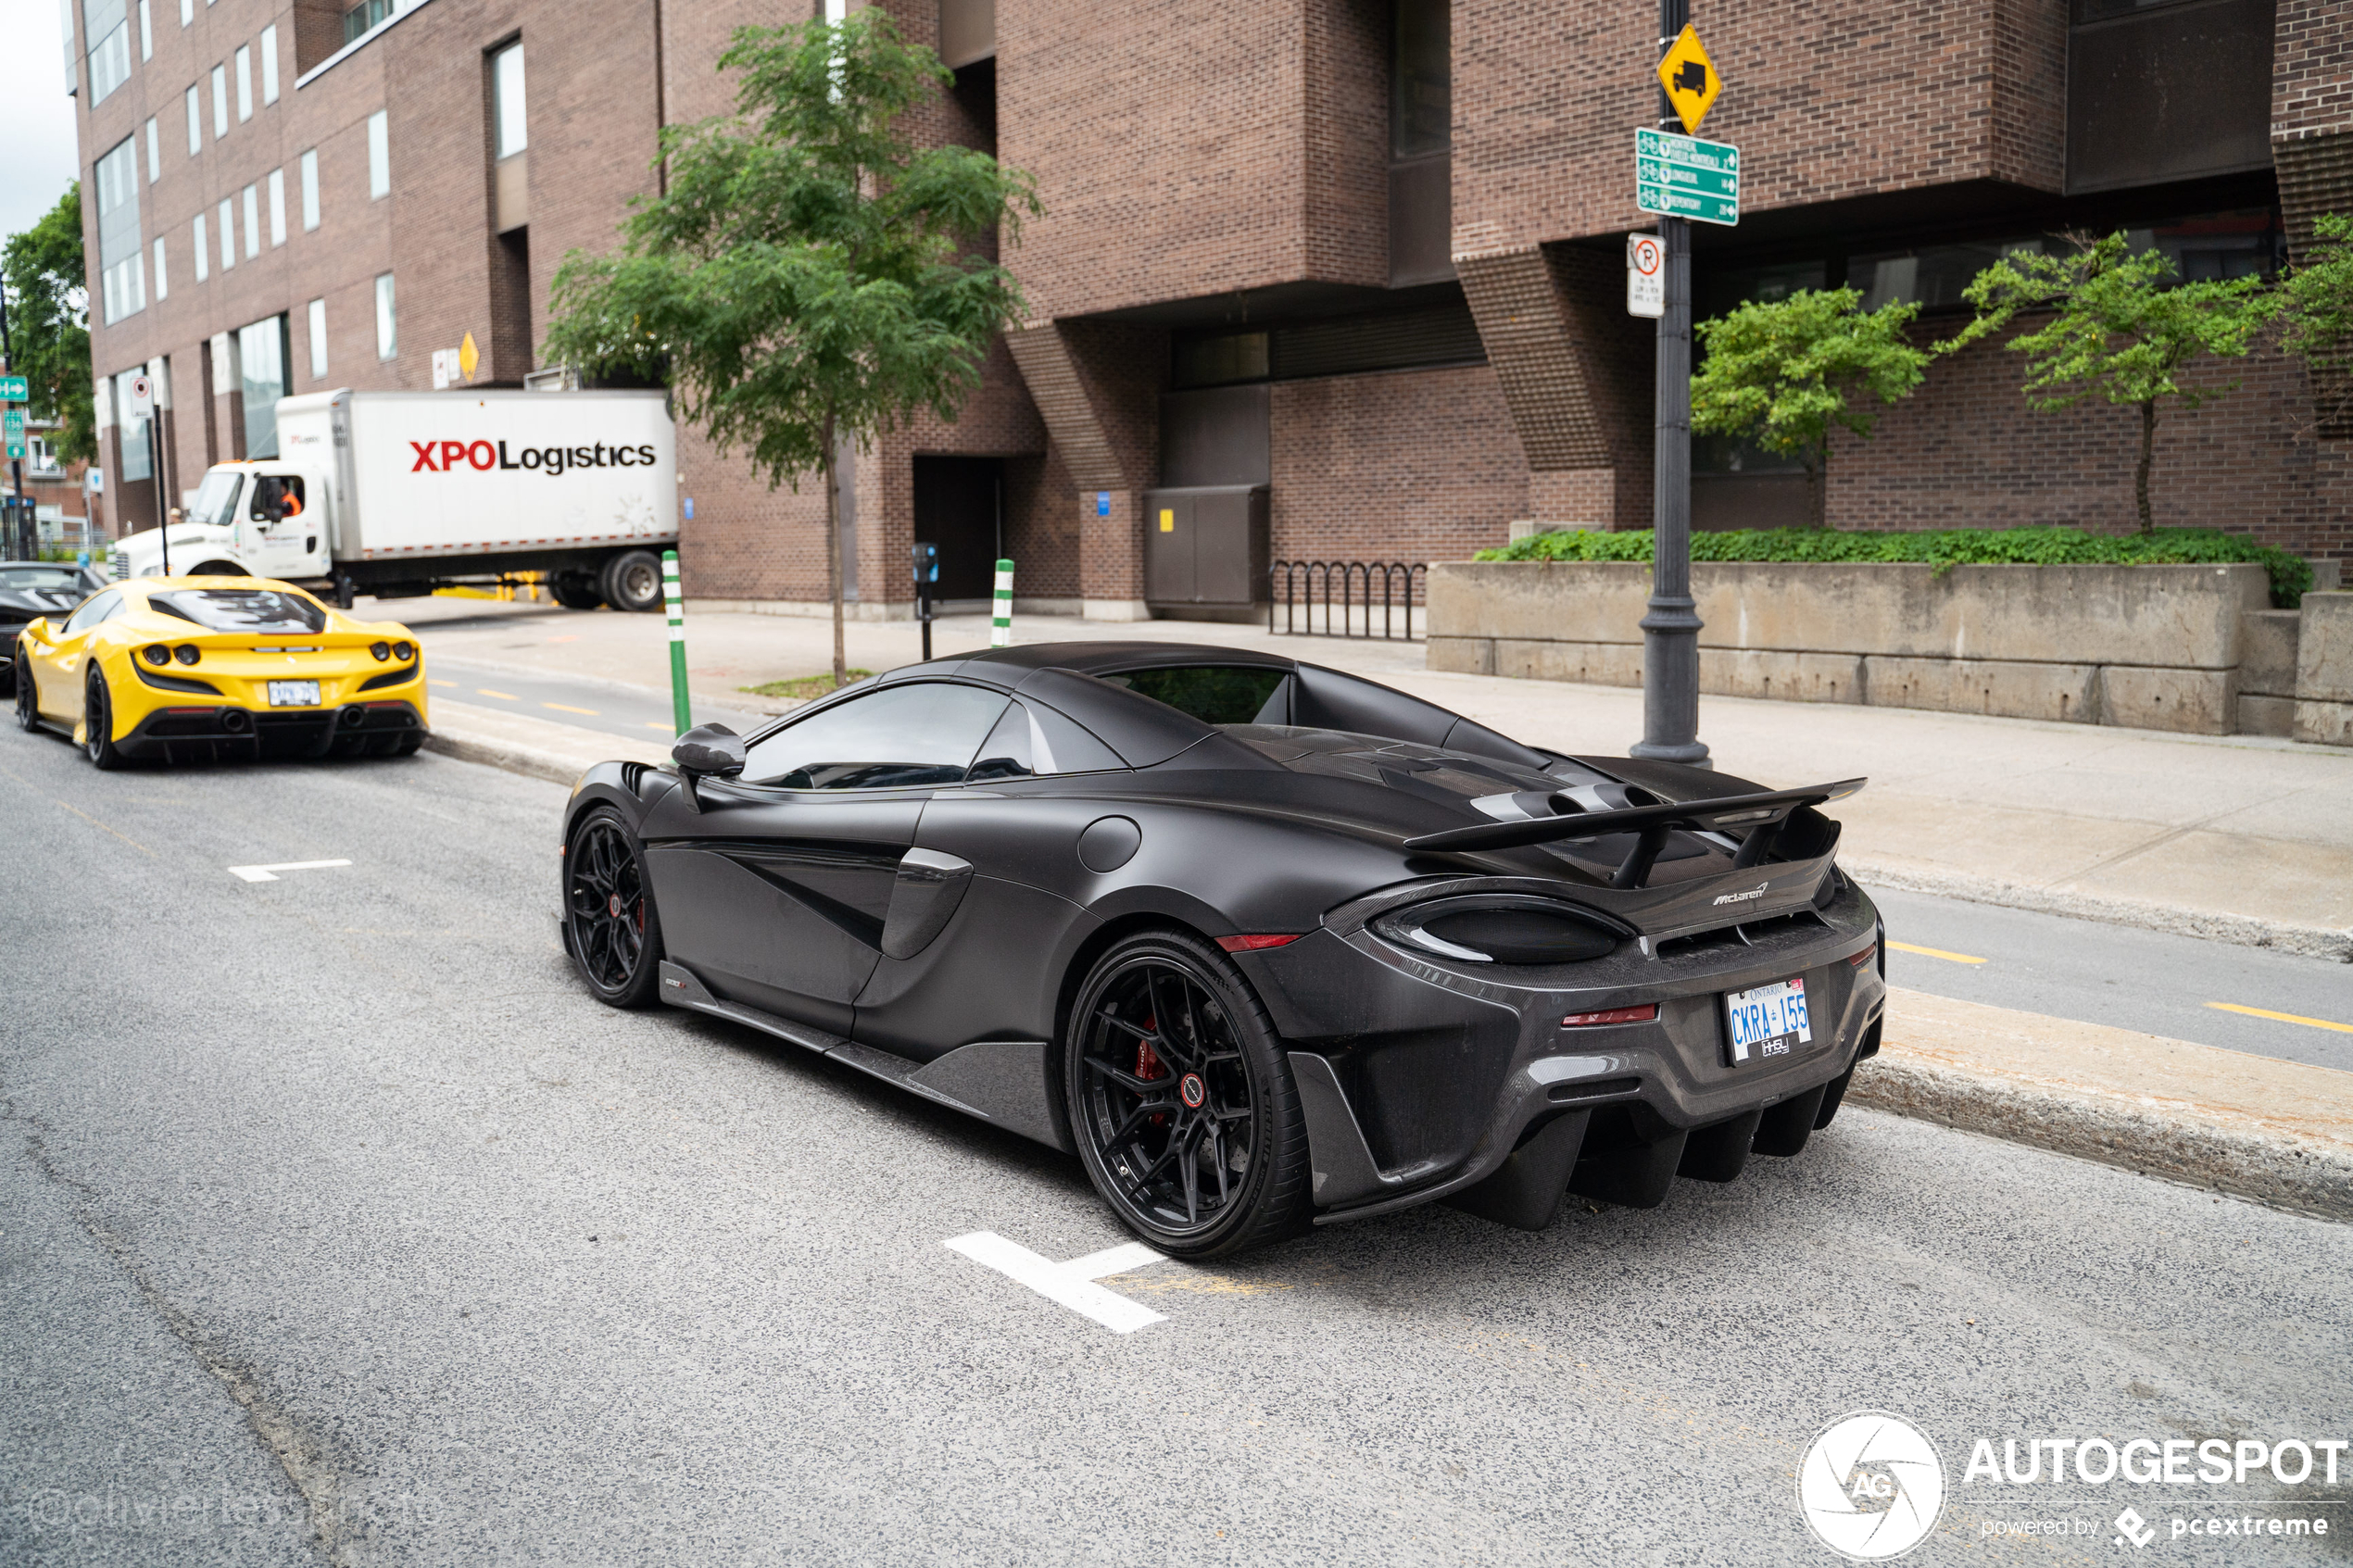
{"x":1689,"y":79}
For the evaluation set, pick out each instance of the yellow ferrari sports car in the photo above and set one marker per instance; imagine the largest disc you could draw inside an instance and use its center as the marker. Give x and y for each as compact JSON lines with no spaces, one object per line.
{"x":199,"y":669}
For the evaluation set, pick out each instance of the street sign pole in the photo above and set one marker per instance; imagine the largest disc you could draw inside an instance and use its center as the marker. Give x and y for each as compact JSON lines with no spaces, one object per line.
{"x":8,"y":362}
{"x":1671,"y":626}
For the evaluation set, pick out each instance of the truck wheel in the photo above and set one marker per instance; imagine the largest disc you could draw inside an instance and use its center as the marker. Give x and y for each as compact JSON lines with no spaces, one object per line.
{"x":220,"y":569}
{"x":575,"y":590}
{"x":633,"y":581}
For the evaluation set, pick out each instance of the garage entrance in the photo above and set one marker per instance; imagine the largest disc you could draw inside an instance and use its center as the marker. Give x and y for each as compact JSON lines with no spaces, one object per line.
{"x":960,"y":508}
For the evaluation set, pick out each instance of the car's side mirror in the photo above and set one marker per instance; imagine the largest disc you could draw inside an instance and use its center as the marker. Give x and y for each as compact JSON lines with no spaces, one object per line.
{"x":707,"y":751}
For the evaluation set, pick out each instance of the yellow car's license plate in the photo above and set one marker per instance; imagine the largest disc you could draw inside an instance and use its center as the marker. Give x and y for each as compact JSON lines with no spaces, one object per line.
{"x":294,"y":693}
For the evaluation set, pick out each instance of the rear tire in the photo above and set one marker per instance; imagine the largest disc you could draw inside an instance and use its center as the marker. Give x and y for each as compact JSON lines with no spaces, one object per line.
{"x":28,"y":697}
{"x":575,"y":590}
{"x":631,"y":581}
{"x":97,"y":723}
{"x":1181,"y":1101}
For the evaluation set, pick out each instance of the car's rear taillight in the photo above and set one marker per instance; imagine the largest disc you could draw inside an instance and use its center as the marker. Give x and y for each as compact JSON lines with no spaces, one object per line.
{"x":1646,"y":1013}
{"x":380,"y":651}
{"x":187,"y":653}
{"x":158,"y":655}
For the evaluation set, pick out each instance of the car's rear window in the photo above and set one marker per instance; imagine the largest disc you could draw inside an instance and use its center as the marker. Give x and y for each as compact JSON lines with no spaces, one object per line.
{"x":1214,"y":694}
{"x":242,"y":610}
{"x":46,"y":579}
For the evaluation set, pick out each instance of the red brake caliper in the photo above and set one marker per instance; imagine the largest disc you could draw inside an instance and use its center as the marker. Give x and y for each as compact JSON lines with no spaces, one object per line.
{"x":1148,"y":1063}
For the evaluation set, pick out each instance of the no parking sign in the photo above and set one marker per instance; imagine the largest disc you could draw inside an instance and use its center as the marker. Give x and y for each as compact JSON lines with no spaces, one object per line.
{"x":1645,"y":276}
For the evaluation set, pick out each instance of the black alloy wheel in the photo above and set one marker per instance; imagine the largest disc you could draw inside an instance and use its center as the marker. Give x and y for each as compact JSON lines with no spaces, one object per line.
{"x":98,"y":722}
{"x":1181,"y":1100}
{"x":610,"y":929}
{"x":28,"y":697}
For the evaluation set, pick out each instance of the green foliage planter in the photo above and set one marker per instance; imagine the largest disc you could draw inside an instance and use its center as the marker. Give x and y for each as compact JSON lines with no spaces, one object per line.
{"x":1942,"y":549}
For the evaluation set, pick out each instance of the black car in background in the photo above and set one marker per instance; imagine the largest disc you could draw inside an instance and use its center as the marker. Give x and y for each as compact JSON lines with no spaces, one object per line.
{"x":30,"y":589}
{"x":1263,"y":944}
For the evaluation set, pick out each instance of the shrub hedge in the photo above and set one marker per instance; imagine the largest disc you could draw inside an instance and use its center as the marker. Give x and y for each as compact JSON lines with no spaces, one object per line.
{"x":1943,"y":547}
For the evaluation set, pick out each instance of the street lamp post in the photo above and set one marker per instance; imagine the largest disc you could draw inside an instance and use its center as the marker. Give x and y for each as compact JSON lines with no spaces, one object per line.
{"x":1671,"y":626}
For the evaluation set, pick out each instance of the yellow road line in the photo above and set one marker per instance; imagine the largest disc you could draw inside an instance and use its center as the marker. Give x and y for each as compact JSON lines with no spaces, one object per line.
{"x":561,"y":708}
{"x":2283,"y":1017}
{"x":450,"y":684}
{"x":1934,"y":953}
{"x":663,"y":728}
{"x":503,"y":697}
{"x":84,"y":815}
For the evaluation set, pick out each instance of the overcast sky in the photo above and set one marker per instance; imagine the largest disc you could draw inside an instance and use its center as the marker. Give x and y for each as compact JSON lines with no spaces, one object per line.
{"x":36,"y":145}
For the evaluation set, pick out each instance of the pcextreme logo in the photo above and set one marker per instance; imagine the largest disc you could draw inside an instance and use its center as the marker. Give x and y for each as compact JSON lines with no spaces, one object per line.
{"x":443,"y":456}
{"x":1871,"y":1486}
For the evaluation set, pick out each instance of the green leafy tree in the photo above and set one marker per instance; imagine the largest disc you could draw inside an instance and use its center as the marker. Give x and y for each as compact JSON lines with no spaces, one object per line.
{"x":2120,"y":329}
{"x":49,"y":326}
{"x":2317,"y":308}
{"x":808,"y":276}
{"x":1788,"y":373}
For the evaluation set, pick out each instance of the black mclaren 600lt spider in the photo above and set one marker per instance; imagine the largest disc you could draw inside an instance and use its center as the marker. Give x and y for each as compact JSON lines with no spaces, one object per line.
{"x":1262,"y":944}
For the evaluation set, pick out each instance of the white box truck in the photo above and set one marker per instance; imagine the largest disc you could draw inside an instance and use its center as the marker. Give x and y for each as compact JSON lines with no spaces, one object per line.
{"x":395,"y":493}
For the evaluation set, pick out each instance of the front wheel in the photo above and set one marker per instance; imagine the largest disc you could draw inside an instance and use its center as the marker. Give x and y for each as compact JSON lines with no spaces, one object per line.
{"x":98,"y":722}
{"x":610,"y":929}
{"x":1181,"y":1100}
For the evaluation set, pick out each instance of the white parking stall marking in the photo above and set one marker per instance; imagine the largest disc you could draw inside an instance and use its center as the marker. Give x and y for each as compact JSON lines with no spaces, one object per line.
{"x":269,"y":874}
{"x":1070,"y":1285}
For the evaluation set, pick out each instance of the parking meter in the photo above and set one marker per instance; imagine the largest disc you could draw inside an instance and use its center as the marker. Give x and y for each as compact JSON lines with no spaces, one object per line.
{"x":926,"y":578}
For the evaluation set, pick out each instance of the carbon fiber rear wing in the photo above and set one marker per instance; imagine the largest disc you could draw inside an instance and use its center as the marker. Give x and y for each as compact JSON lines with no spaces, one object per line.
{"x":1758,"y":817}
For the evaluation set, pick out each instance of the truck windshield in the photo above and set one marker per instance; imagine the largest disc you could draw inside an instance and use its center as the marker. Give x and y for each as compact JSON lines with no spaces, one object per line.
{"x":216,"y":502}
{"x":242,"y":610}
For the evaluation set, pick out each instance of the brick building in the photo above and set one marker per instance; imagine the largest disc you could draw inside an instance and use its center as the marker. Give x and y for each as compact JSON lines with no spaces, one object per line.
{"x":1339,"y":278}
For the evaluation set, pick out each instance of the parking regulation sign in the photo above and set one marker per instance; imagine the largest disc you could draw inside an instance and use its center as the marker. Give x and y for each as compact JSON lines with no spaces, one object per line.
{"x":1645,"y":276}
{"x":143,"y":398}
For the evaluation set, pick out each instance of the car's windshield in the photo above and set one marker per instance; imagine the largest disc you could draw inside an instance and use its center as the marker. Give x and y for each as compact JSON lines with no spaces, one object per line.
{"x":242,"y":610}
{"x":1214,"y":694}
{"x":44,"y":579}
{"x":216,"y":502}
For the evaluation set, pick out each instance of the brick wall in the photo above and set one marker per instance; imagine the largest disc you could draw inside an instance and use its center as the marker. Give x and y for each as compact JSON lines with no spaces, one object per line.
{"x":1966,"y":450}
{"x":1825,"y":103}
{"x":1410,"y":465}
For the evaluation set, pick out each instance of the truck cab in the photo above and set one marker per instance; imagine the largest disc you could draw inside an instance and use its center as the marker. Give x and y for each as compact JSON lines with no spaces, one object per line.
{"x":268,"y":518}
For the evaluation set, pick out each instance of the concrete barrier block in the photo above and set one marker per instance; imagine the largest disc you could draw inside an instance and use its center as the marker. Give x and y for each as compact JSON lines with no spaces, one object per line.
{"x":2267,"y":715}
{"x":1462,"y":655}
{"x":1790,"y":677}
{"x":2190,"y":702}
{"x":2004,"y":689}
{"x":1540,"y":601}
{"x":2325,"y":650}
{"x":1591,"y":664}
{"x":2267,"y":654}
{"x":2325,"y":724}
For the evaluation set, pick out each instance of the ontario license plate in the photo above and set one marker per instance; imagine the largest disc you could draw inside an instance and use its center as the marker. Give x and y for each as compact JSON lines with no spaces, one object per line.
{"x":1767,"y":1020}
{"x":294,"y":693}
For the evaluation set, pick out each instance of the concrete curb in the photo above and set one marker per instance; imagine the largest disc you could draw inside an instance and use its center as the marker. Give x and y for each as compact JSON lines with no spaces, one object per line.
{"x":2155,"y":1138}
{"x":530,"y":761}
{"x":2245,"y":930}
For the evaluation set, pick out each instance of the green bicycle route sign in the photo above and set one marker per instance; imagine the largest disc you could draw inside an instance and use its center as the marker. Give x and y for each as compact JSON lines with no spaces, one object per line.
{"x":1684,"y":177}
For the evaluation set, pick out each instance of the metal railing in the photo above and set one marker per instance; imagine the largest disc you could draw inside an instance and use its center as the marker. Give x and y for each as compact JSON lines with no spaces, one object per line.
{"x":1359,"y":599}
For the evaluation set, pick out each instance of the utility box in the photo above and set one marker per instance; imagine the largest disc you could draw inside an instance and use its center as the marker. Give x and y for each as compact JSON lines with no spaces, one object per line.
{"x":1205,"y":551}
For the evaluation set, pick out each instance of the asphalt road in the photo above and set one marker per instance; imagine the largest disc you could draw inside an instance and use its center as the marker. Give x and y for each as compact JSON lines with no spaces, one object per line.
{"x":336,"y":1224}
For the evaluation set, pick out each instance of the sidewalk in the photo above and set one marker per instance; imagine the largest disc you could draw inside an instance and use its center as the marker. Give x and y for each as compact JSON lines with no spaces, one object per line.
{"x":2235,"y":838}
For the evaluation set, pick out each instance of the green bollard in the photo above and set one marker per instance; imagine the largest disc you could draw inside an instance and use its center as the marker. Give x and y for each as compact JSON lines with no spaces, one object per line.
{"x":681,"y":710}
{"x":1001,"y":625}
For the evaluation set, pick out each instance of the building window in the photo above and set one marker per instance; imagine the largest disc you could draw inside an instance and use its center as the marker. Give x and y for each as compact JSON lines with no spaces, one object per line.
{"x":378,"y":156}
{"x":155,"y":152}
{"x":365,"y":16}
{"x":163,"y":284}
{"x":220,"y":102}
{"x":245,"y":83}
{"x":226,"y":215}
{"x":270,"y":64}
{"x":318,"y":340}
{"x":1421,"y":86}
{"x":262,"y":349}
{"x":510,"y":129}
{"x":110,"y":54}
{"x":387,"y":324}
{"x":121,"y":260}
{"x":195,"y":122}
{"x":310,"y":190}
{"x":147,"y":32}
{"x":253,"y":222}
{"x":187,"y":12}
{"x":204,"y":251}
{"x":277,"y":207}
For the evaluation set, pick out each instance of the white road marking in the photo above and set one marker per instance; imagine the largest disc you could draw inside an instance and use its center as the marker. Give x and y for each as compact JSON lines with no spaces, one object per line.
{"x":269,"y":873}
{"x":1070,"y":1285}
